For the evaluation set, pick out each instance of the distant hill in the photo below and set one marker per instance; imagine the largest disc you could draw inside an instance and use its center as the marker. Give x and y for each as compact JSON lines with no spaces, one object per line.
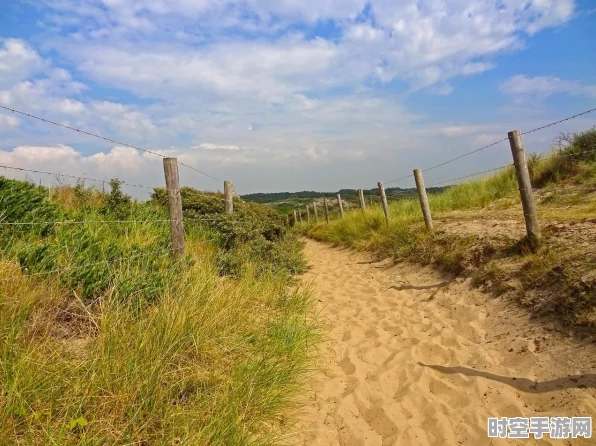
{"x":286,"y":202}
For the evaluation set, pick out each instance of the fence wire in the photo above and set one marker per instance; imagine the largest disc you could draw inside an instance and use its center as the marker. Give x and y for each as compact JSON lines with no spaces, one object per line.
{"x":72,"y":222}
{"x":23,"y":169}
{"x":471,"y":175}
{"x":95,"y":135}
{"x":558,"y":122}
{"x":82,"y":222}
{"x":494,"y":144}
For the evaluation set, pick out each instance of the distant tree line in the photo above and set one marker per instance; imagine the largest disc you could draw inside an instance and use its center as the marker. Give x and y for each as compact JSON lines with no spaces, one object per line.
{"x":347,"y":194}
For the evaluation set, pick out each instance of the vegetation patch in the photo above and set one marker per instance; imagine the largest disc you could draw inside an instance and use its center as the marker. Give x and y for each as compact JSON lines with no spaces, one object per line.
{"x":105,"y":340}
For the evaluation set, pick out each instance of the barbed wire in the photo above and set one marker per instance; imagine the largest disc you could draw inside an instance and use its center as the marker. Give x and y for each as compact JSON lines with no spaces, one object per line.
{"x":399,"y":179}
{"x":471,"y":175}
{"x":451,"y":160}
{"x":32,"y":223}
{"x":561,"y":154}
{"x":104,"y":138}
{"x":558,"y":122}
{"x":70,"y":268}
{"x":539,"y":160}
{"x":84,"y":178}
{"x":494,"y":144}
{"x":466,"y":154}
{"x":72,"y":222}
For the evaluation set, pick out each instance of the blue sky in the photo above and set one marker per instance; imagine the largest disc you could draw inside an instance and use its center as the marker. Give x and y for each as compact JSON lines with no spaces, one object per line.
{"x":280,"y":95}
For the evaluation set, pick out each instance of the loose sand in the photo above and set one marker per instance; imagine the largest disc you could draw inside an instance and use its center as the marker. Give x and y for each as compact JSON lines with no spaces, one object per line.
{"x":415,"y":358}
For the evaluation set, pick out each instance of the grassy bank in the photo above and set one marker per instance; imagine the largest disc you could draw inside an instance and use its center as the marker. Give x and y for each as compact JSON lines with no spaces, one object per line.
{"x":110,"y":342}
{"x":557,"y":279}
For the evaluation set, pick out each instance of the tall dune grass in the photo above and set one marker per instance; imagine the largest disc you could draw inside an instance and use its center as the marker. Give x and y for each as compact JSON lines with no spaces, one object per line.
{"x":405,"y":235}
{"x":140,"y":351}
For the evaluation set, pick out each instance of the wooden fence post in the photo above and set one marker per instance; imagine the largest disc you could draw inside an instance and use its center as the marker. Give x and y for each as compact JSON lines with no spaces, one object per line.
{"x":326,"y":209}
{"x":361,"y":197}
{"x":170,"y":167}
{"x":229,"y":197}
{"x":341,"y":206}
{"x":384,"y":201}
{"x":295,"y":217}
{"x":314,"y":207}
{"x":428,"y":219}
{"x":300,"y":216}
{"x":307,"y":214}
{"x":525,"y":185}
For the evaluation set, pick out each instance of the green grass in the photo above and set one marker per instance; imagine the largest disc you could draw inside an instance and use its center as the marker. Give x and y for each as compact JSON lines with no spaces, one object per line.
{"x":368,"y":230}
{"x":147,"y":350}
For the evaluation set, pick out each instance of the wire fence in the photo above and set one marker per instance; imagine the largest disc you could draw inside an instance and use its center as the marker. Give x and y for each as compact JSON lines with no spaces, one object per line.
{"x":106,"y":222}
{"x":174,"y":219}
{"x":522,"y":178}
{"x":471,"y":175}
{"x":78,"y":177}
{"x":487,"y":146}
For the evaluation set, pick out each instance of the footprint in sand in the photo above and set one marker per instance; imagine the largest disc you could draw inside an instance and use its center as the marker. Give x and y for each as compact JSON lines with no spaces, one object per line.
{"x":347,"y":366}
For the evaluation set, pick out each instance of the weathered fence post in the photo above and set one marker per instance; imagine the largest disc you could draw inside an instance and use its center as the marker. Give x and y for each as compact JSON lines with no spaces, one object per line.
{"x":307,"y":214}
{"x":229,"y":197}
{"x":525,"y":185}
{"x":428,"y":219}
{"x":341,"y":206}
{"x":384,"y":201}
{"x":300,"y":216}
{"x":314,"y":207}
{"x":170,"y":167}
{"x":295,"y":217}
{"x":326,"y":209}
{"x":361,"y":197}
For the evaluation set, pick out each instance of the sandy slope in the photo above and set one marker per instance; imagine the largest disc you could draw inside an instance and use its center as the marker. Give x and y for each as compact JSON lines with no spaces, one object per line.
{"x":414,"y":358}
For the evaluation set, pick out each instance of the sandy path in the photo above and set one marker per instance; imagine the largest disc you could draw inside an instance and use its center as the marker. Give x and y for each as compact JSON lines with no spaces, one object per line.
{"x":387,"y":326}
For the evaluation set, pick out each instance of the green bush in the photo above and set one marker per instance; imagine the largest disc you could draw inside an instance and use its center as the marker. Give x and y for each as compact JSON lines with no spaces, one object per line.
{"x":253,"y":233}
{"x":117,"y":204}
{"x":87,"y":256}
{"x":572,"y":161}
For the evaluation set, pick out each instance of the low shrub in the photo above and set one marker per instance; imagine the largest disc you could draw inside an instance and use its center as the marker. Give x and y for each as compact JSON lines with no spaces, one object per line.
{"x":253,"y":233}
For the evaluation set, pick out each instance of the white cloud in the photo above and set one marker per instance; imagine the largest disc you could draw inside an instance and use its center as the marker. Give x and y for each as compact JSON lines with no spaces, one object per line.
{"x":29,"y":154}
{"x":258,"y":69}
{"x":17,"y":62}
{"x":422,"y":41}
{"x":541,"y":87}
{"x":315,"y":153}
{"x":8,"y":122}
{"x":209,"y":146}
{"x":119,"y":159}
{"x":458,"y":130}
{"x":363,"y":32}
{"x":477,"y":67}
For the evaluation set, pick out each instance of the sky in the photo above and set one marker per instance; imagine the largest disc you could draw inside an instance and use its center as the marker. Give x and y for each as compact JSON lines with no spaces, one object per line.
{"x":289,"y":95}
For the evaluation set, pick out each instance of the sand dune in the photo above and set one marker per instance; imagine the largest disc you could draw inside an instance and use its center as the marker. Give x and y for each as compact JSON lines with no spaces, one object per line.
{"x":414,"y":358}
